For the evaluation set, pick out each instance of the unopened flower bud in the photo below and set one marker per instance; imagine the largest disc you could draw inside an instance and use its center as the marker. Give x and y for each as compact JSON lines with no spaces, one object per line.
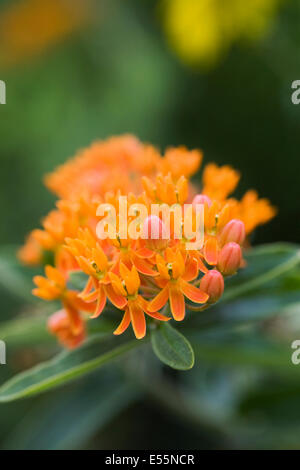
{"x":213,"y":284}
{"x":230,"y":258}
{"x":201,"y":199}
{"x":155,"y":233}
{"x":234,"y":231}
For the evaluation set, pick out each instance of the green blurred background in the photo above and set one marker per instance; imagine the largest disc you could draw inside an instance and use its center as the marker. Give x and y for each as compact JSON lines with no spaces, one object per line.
{"x":117,"y":72}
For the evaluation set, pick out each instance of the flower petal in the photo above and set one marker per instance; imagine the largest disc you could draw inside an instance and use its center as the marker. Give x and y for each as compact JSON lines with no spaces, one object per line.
{"x":124,"y":323}
{"x":193,"y":293}
{"x":178,"y":266}
{"x":191,"y":269}
{"x":117,"y":300}
{"x":201,"y":266}
{"x":145,"y":305}
{"x":101,"y":301}
{"x":74,"y":317}
{"x":137,"y":320}
{"x":85,"y":265}
{"x":177,"y":303}
{"x":91,"y":297}
{"x":55,"y":276}
{"x":158,"y":316}
{"x":211,"y":251}
{"x":132,"y":281}
{"x":117,"y":284}
{"x":88,"y":287}
{"x":144,"y":252}
{"x":143,"y":266}
{"x":160,"y":300}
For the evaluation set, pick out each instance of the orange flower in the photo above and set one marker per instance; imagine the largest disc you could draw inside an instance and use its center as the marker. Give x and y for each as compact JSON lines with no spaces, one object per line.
{"x":181,"y":162}
{"x":52,"y":287}
{"x":31,"y":252}
{"x":219,"y":182}
{"x":93,"y":261}
{"x":164,"y":190}
{"x":175,"y":274}
{"x":254,"y":211}
{"x":29,"y":26}
{"x":63,"y":222}
{"x":136,"y":306}
{"x":59,"y":324}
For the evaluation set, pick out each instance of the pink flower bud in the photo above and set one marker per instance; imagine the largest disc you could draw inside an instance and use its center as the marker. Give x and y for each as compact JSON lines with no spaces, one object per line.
{"x":201,"y":199}
{"x":155,"y":233}
{"x":234,"y":231}
{"x":230,"y":258}
{"x":213,"y":284}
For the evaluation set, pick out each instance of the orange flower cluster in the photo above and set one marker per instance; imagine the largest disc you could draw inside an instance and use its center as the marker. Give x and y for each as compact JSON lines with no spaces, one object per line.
{"x":138,"y":276}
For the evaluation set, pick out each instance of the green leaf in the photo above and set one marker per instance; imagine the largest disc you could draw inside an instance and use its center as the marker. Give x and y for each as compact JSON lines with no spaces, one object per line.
{"x":244,"y":348}
{"x":25,"y":331}
{"x":172,"y":348}
{"x":244,"y":310}
{"x":266,"y":264}
{"x":68,"y":365}
{"x":73,"y":414}
{"x":77,"y":280}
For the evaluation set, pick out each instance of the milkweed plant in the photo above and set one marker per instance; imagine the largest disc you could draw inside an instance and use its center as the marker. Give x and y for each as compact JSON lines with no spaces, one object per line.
{"x":136,"y":252}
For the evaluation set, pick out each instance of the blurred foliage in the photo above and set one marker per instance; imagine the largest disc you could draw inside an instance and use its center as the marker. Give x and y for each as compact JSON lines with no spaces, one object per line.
{"x":202,"y":31}
{"x":119,"y":75}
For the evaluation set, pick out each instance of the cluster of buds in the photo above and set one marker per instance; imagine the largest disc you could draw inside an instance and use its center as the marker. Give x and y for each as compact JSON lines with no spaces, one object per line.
{"x":157,"y":275}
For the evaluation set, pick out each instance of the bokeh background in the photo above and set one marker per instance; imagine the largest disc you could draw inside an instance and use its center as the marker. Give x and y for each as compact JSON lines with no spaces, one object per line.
{"x":209,"y":74}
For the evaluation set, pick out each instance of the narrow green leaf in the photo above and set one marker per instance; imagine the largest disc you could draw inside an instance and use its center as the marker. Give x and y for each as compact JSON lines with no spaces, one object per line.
{"x":265,"y":265}
{"x":172,"y":348}
{"x":244,"y":310}
{"x":73,"y":414}
{"x":246,"y":348}
{"x":25,"y":331}
{"x":68,"y":365}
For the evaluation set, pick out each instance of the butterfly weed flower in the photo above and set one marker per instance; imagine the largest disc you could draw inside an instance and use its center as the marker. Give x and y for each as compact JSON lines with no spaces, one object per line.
{"x":93,"y":261}
{"x":127,"y":286}
{"x":175,"y":273}
{"x":145,"y":267}
{"x":68,"y":323}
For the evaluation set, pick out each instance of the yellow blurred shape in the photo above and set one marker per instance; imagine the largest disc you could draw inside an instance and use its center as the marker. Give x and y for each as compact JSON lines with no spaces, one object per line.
{"x":201,"y":31}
